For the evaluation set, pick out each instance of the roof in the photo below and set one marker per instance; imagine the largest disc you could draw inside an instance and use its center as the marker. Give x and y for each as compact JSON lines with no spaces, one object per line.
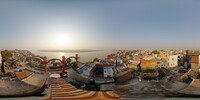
{"x":191,"y":53}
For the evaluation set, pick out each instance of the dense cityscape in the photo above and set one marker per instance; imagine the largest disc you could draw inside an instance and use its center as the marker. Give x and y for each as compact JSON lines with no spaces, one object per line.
{"x":128,"y":73}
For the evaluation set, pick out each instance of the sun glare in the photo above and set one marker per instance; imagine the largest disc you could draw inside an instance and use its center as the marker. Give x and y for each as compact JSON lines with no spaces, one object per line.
{"x":61,"y":54}
{"x":61,"y":41}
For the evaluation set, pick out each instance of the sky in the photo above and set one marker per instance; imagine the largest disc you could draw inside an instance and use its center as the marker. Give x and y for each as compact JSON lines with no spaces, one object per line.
{"x":99,"y":24}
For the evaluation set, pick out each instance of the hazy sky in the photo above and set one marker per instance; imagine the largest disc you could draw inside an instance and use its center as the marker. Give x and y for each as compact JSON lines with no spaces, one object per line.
{"x":99,"y":24}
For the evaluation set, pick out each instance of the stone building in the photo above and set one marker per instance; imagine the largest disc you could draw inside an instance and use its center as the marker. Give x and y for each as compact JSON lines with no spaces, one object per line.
{"x":148,"y":64}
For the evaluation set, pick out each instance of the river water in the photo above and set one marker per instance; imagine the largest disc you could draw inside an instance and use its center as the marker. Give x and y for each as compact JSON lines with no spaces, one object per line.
{"x":85,"y":55}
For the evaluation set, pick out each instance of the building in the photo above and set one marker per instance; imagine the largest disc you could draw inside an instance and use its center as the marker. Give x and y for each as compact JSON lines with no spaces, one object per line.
{"x":193,"y":57}
{"x":148,"y":57}
{"x":144,"y":54}
{"x":181,"y":59}
{"x":148,"y":64}
{"x":162,"y":56}
{"x":119,"y":61}
{"x":133,"y":64}
{"x":103,"y":76}
{"x":172,"y":60}
{"x":0,"y":59}
{"x":136,"y":58}
{"x":160,"y":63}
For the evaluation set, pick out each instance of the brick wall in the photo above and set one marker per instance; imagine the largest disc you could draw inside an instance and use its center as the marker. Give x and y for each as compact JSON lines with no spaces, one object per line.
{"x":148,"y":64}
{"x":195,"y":59}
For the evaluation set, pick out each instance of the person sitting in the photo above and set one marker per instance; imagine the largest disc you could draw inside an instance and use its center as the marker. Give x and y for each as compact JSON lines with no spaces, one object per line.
{"x":64,"y":74}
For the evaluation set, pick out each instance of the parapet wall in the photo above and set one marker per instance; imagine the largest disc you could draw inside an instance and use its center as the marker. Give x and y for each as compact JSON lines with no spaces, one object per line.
{"x":195,"y":67}
{"x":73,"y":75}
{"x":124,"y":76}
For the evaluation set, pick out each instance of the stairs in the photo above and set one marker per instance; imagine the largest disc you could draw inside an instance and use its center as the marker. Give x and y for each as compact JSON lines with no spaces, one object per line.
{"x":60,"y":90}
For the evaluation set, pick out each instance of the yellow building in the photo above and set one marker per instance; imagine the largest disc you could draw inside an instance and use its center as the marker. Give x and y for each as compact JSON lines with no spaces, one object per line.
{"x":148,"y":64}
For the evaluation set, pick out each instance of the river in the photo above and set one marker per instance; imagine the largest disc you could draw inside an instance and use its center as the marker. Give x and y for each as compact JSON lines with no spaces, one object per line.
{"x":85,"y":55}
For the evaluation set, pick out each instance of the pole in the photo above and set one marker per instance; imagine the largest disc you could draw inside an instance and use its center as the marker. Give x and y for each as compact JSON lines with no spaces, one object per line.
{"x":63,"y":63}
{"x":76,"y":60}
{"x":45,"y":64}
{"x":116,"y":60}
{"x":45,"y":67}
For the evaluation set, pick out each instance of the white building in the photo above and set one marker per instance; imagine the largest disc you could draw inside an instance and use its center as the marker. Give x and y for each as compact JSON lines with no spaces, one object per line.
{"x":108,"y":71}
{"x":172,"y":60}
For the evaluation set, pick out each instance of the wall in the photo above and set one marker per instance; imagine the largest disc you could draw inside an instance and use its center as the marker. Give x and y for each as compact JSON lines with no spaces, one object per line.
{"x":161,"y":63}
{"x":199,"y":60}
{"x":124,"y":76}
{"x":195,"y":59}
{"x":172,"y":60}
{"x":148,"y":64}
{"x":73,"y":75}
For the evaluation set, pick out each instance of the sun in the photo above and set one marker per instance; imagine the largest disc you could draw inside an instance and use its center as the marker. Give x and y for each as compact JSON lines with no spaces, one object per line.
{"x":61,"y":40}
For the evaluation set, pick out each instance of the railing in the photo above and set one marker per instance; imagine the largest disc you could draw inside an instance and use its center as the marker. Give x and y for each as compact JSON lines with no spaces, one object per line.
{"x":63,"y":61}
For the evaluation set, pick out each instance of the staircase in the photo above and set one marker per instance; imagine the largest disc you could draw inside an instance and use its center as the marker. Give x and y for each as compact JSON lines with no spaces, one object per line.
{"x":60,"y":90}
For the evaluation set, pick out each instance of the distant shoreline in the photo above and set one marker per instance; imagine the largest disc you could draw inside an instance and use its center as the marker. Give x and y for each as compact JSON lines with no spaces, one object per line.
{"x":69,"y":51}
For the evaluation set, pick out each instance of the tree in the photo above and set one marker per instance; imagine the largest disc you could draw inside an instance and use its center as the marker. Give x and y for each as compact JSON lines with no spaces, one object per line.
{"x":68,"y":62}
{"x":127,"y":53}
{"x":148,"y":71}
{"x":155,"y":52}
{"x":42,"y":57}
{"x":6,"y":55}
{"x":130,"y":52}
{"x":73,"y":63}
